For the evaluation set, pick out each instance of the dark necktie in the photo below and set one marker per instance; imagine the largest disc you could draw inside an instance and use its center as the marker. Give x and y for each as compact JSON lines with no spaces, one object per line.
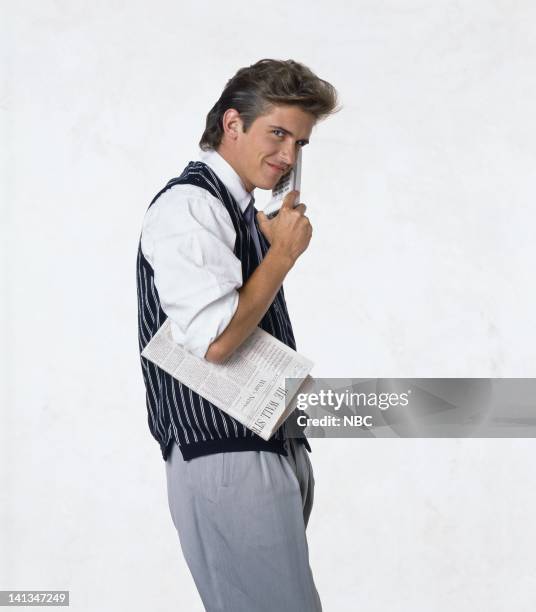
{"x":249,"y":216}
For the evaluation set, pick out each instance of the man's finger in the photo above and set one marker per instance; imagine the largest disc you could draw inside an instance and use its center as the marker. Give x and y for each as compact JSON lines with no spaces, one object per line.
{"x":290,"y":199}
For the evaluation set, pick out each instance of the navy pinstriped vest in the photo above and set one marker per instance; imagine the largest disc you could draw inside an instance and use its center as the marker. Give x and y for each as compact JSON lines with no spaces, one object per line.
{"x":175,"y":412}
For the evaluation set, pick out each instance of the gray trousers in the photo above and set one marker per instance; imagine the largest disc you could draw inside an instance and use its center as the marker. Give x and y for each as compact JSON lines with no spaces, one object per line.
{"x":241,"y":519}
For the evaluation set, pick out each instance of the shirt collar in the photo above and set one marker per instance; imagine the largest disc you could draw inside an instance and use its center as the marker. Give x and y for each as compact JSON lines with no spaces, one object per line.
{"x":227,"y":174}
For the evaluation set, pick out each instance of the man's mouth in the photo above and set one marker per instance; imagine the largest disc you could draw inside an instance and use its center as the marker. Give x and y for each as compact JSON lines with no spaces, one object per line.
{"x":277,"y":168}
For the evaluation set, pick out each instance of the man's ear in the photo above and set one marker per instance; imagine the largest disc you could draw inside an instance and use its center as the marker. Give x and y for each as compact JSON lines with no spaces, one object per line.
{"x":232,"y":123}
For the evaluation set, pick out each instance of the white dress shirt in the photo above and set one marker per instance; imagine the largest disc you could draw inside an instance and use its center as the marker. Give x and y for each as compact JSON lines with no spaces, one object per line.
{"x":188,"y":238}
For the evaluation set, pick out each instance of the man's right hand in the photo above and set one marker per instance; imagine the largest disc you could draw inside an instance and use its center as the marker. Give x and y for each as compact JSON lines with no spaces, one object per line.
{"x":290,"y":231}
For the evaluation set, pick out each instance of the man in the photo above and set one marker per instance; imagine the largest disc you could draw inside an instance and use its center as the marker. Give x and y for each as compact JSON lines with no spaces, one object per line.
{"x":215,"y":268}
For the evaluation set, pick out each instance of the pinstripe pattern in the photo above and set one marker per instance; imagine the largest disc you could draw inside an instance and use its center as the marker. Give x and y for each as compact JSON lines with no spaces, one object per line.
{"x":175,"y":412}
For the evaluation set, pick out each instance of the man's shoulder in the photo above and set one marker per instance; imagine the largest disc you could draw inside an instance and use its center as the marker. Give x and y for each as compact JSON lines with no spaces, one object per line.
{"x":183,"y":200}
{"x":183,"y":191}
{"x":197,"y":180}
{"x":181,"y":203}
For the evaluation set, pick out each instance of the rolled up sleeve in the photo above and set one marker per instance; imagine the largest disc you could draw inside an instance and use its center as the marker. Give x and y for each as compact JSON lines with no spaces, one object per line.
{"x":188,"y":238}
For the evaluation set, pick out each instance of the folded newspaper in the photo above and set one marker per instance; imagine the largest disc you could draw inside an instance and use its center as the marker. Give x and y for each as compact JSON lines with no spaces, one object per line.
{"x":249,"y":386}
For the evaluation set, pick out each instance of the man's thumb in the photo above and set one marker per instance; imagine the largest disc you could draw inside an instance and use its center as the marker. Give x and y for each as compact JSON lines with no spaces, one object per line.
{"x":291,"y":199}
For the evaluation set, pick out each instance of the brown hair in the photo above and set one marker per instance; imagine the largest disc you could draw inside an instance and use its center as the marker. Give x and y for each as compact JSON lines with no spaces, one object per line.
{"x":254,"y":89}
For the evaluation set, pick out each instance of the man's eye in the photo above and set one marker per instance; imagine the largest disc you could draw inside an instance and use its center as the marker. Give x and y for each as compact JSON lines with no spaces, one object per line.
{"x":278,"y":132}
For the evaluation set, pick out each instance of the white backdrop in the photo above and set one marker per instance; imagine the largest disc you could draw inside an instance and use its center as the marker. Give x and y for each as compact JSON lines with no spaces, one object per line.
{"x":421,"y":194}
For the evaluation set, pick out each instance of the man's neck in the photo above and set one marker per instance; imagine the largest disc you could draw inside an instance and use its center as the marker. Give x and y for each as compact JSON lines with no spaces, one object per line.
{"x":228,"y":156}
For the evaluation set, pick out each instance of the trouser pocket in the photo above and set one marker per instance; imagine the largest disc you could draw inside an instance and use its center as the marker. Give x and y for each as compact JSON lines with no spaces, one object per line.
{"x":226,"y":468}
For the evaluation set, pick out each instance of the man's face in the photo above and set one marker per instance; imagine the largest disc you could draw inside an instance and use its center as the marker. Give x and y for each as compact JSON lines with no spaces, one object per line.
{"x":269,"y":148}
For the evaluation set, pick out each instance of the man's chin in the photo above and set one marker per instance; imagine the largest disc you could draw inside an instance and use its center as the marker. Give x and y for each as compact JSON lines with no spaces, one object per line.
{"x":267,"y":185}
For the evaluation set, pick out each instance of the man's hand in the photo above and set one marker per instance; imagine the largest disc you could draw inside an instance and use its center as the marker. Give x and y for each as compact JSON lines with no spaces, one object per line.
{"x":290,"y":231}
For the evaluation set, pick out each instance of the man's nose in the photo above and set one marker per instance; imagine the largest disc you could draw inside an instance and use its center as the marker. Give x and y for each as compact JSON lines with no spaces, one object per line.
{"x":288,"y":155}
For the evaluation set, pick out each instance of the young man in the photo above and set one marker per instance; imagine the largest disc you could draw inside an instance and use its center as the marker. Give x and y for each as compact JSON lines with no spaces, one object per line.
{"x":215,"y":268}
